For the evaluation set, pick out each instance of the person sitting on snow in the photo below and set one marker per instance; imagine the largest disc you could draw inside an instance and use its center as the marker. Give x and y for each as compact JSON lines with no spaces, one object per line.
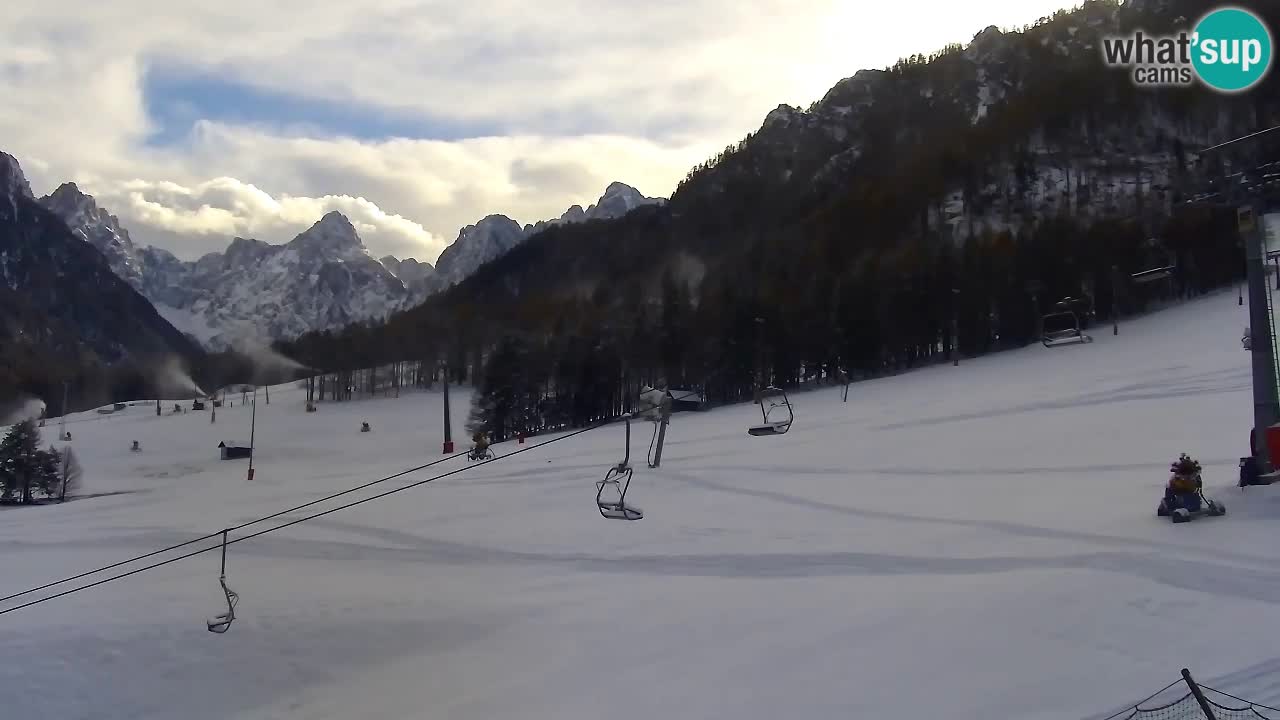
{"x":1183,"y":490}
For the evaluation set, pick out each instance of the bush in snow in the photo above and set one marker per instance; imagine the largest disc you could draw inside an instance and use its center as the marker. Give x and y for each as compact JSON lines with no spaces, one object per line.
{"x":69,"y":475}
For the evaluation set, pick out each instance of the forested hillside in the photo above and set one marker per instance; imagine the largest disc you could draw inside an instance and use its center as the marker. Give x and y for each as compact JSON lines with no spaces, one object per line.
{"x":976,"y":185}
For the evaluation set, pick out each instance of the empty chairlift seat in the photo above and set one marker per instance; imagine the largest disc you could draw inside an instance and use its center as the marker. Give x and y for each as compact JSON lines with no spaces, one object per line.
{"x":775,"y":412}
{"x":1062,"y":326}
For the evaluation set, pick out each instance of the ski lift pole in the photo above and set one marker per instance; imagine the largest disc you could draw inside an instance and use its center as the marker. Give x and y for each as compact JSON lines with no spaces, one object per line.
{"x":662,"y":431}
{"x":66,"y":388}
{"x":1115,"y":300}
{"x":1265,"y":410}
{"x":760,"y":382}
{"x":626,"y":459}
{"x":253,"y":425}
{"x":955,"y":327}
{"x":448,"y":429}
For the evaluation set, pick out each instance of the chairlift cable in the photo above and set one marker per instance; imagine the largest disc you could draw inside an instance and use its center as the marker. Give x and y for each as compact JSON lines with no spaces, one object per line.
{"x":268,"y":530}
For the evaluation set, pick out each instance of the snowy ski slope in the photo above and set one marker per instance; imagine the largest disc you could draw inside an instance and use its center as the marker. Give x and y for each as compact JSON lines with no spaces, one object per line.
{"x":971,"y":542}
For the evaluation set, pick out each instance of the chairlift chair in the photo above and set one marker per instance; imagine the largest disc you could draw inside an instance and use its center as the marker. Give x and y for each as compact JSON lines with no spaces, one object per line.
{"x":1062,"y":326}
{"x":1158,"y":263}
{"x":773,"y":401}
{"x":222,"y":622}
{"x":617,"y":480}
{"x":1069,"y":333}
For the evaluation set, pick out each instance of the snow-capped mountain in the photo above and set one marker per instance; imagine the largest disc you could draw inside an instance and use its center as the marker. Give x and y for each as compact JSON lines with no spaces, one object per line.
{"x":253,"y":291}
{"x":418,"y":277}
{"x":259,"y":292}
{"x":496,"y":234}
{"x":618,"y":200}
{"x":323,"y":278}
{"x":476,"y":245}
{"x":97,"y":227}
{"x":60,"y":300}
{"x":408,"y":270}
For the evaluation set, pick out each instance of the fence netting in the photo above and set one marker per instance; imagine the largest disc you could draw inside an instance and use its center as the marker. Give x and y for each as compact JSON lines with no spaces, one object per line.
{"x":1178,"y":703}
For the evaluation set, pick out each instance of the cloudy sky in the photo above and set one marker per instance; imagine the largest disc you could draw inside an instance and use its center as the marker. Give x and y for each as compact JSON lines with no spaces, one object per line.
{"x":198,"y":121}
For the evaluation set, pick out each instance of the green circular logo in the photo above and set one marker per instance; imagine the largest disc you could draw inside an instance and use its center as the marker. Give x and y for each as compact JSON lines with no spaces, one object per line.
{"x":1231,"y":50}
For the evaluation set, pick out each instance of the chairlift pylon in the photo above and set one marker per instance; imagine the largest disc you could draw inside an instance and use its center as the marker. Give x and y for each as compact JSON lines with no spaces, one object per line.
{"x":618,"y":480}
{"x":221,"y":623}
{"x":773,"y":401}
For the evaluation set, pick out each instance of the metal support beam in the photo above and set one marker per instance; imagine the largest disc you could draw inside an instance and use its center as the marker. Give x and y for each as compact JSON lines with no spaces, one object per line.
{"x":448,"y":424}
{"x":1115,"y":300}
{"x":1266,"y":406}
{"x":1205,"y":707}
{"x":662,"y":430}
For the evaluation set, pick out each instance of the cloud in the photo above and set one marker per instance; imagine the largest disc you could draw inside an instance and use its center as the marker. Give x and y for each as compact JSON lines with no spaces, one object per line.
{"x":210,"y":212}
{"x":194,"y":121}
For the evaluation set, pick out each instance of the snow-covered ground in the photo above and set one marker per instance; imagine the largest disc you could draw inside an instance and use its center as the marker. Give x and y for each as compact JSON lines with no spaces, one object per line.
{"x":971,"y":542}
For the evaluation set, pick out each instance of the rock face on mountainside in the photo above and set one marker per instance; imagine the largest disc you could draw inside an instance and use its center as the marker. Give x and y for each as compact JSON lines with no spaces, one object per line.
{"x":252,"y":291}
{"x":97,"y":227}
{"x":324,"y":278}
{"x":256,"y":292}
{"x":496,"y":234}
{"x":476,"y":245}
{"x":60,"y":298}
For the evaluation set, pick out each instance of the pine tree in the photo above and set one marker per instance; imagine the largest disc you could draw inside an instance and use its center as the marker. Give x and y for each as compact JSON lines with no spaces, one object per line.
{"x":508,"y":399}
{"x":23,"y":464}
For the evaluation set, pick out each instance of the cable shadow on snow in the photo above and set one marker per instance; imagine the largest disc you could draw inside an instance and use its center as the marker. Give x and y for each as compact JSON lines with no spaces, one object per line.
{"x":966,"y":472}
{"x":306,"y":650}
{"x":1134,"y":392}
{"x":1016,"y":529}
{"x":1175,"y":571}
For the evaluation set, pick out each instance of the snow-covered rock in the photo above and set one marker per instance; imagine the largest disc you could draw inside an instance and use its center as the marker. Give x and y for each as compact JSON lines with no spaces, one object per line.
{"x":325,"y":277}
{"x":97,"y":227}
{"x":618,"y":200}
{"x":419,"y":278}
{"x":260,"y":292}
{"x":476,"y":245}
{"x":253,"y":291}
{"x":496,"y":234}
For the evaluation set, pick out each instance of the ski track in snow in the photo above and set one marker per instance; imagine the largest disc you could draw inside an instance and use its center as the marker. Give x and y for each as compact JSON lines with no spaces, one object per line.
{"x":970,"y":542}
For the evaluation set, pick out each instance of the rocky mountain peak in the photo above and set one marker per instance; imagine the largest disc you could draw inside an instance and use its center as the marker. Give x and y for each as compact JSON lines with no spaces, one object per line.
{"x":618,"y":200}
{"x":332,"y":235}
{"x":12,"y":181}
{"x":99,"y":228}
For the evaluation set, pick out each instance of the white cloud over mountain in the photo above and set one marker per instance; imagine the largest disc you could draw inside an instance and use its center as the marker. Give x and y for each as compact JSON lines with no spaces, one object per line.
{"x":414,"y":117}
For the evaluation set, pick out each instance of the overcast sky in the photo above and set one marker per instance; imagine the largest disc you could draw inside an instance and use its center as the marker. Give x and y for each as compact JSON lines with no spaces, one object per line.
{"x":198,"y":121}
